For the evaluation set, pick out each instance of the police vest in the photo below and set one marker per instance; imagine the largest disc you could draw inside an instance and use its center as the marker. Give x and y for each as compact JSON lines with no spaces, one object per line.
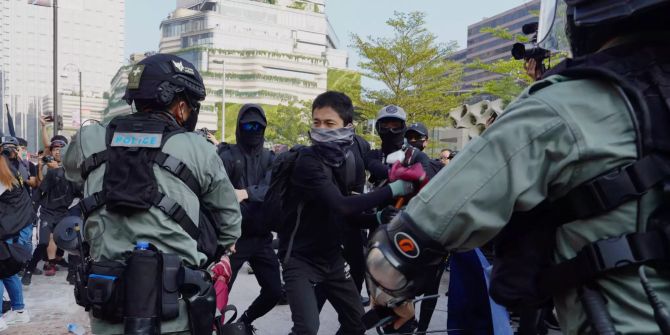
{"x":134,"y":145}
{"x":523,"y":278}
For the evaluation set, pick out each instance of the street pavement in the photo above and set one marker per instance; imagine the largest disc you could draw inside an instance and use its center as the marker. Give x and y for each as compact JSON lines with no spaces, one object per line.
{"x":50,"y":302}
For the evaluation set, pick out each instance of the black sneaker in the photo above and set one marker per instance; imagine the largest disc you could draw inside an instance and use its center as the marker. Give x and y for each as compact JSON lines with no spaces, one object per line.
{"x":283,"y":300}
{"x":27,"y":278}
{"x":71,"y":278}
{"x":38,"y":272}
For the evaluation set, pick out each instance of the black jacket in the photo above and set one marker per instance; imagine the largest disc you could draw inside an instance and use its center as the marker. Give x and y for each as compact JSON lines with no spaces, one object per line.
{"x":249,"y":167}
{"x":16,"y":210}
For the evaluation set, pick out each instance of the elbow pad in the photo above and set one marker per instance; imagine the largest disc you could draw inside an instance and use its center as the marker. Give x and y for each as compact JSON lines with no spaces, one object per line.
{"x":399,"y":258}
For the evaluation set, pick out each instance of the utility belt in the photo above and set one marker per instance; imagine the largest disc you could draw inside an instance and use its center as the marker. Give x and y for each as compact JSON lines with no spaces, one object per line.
{"x":145,"y":291}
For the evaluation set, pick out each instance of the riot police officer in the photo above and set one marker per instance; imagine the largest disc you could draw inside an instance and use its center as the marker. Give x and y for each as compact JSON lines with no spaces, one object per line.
{"x":158,"y":204}
{"x":571,"y":179}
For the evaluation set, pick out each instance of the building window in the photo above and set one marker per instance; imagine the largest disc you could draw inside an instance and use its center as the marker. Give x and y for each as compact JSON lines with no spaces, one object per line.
{"x":184,"y":27}
{"x":206,"y":39}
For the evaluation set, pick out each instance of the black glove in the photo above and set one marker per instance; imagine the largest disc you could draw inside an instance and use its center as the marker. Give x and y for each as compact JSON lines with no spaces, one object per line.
{"x":387,"y":214}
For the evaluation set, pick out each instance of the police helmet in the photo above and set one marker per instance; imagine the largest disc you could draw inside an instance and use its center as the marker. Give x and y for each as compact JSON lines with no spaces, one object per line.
{"x":561,"y":20}
{"x":159,"y":78}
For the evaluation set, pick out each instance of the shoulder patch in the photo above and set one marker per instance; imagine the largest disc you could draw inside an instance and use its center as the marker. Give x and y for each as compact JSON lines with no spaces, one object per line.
{"x":134,"y":76}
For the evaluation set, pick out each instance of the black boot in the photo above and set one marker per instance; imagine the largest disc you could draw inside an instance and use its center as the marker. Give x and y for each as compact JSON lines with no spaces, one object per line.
{"x":27,"y":278}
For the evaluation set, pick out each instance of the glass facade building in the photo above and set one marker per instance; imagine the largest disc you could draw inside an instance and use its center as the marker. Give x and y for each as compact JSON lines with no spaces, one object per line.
{"x":487,"y":48}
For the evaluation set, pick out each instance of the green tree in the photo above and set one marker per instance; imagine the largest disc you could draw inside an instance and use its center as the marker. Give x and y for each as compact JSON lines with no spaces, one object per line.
{"x":288,"y":124}
{"x":513,"y":76}
{"x":414,"y":69}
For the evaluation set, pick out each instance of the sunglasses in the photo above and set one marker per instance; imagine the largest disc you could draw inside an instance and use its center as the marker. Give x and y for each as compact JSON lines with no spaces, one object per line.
{"x":384,"y":130}
{"x":252,"y":126}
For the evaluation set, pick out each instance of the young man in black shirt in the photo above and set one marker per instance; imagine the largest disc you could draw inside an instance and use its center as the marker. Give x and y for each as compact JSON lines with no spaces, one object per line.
{"x":311,"y":240}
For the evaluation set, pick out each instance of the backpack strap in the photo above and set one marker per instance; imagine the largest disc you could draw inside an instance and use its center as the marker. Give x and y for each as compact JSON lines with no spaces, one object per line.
{"x":301,"y":205}
{"x":604,"y":256}
{"x":166,"y":204}
{"x":610,"y":190}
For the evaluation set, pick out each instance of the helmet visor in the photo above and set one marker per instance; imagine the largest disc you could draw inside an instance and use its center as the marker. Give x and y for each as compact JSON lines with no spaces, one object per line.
{"x":551,"y":29}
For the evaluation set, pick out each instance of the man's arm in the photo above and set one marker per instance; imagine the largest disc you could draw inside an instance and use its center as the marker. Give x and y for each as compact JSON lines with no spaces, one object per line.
{"x":219,"y":197}
{"x":373,"y":163}
{"x":73,"y":157}
{"x":257,"y":192}
{"x":509,"y":168}
{"x":45,"y":136}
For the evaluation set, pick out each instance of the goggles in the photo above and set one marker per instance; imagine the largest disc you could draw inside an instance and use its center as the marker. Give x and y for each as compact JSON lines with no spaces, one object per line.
{"x":252,"y":127}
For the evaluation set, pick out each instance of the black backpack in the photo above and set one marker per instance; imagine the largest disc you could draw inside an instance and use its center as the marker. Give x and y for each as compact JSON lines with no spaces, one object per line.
{"x":275,"y":206}
{"x":16,"y":212}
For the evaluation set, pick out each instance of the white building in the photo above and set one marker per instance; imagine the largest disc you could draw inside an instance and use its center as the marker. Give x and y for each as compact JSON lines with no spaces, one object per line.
{"x":90,"y":39}
{"x":272,"y":51}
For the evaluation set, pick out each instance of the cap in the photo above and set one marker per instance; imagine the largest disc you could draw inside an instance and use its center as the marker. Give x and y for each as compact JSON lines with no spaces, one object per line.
{"x":419,"y":128}
{"x":9,"y":140}
{"x":57,"y":144}
{"x":253,"y":114}
{"x":392,"y":111}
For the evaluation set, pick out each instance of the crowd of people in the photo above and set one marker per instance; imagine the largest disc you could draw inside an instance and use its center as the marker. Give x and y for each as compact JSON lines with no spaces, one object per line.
{"x":46,"y":198}
{"x":567,"y":193}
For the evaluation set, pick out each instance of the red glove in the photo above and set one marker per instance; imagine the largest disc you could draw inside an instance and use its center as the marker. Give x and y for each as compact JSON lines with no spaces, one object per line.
{"x":414,"y":173}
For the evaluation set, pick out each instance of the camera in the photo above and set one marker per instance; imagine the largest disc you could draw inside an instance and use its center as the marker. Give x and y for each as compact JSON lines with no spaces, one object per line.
{"x":530,"y":50}
{"x":47,"y":159}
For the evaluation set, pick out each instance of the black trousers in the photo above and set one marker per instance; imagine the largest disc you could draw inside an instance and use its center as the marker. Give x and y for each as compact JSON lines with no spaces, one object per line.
{"x":302,"y":276}
{"x":428,"y":306}
{"x":354,"y":254}
{"x":263,"y":260}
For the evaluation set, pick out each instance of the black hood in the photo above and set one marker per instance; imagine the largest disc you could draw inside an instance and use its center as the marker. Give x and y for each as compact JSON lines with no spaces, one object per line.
{"x":249,"y":113}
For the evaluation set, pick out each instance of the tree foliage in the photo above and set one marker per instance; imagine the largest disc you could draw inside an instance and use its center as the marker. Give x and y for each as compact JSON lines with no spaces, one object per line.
{"x":513,"y":76}
{"x":414,"y":69}
{"x":288,"y":124}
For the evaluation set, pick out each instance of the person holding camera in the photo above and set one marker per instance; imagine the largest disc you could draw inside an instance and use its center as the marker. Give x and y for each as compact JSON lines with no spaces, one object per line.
{"x":53,"y":196}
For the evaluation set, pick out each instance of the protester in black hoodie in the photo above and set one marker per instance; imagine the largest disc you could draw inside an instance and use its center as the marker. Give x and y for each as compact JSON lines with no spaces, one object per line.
{"x":248,"y":165}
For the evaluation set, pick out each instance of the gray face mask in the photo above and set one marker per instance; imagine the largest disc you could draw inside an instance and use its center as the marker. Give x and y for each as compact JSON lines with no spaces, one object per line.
{"x":339,"y":136}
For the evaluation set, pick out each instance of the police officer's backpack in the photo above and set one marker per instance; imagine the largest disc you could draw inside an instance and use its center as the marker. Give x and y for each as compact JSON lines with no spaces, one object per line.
{"x":522,"y":278}
{"x":134,"y":145}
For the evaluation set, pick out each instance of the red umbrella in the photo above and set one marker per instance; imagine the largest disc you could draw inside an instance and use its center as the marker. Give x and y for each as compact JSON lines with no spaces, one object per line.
{"x":221,"y":273}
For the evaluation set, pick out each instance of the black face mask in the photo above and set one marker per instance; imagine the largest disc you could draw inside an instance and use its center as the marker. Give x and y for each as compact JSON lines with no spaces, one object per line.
{"x":392,"y":142}
{"x":417,"y":144}
{"x":191,"y":121}
{"x":252,"y":139}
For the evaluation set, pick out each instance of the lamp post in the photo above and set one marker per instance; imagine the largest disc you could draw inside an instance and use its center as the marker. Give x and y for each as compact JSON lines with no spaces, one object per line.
{"x":70,"y":65}
{"x":55,"y":65}
{"x":223,"y":99}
